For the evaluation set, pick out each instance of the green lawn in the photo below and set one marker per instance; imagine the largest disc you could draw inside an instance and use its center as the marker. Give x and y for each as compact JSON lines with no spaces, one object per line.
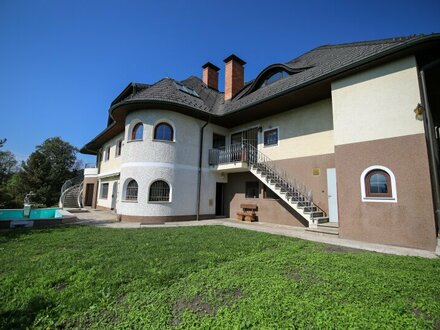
{"x":206,"y":277}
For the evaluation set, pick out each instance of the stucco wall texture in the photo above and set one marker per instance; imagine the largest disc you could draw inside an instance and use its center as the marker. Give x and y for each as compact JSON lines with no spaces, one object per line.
{"x":175,"y":162}
{"x":409,"y":222}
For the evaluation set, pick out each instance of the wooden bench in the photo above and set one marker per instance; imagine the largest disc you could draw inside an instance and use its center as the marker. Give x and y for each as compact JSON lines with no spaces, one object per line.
{"x":248,"y":212}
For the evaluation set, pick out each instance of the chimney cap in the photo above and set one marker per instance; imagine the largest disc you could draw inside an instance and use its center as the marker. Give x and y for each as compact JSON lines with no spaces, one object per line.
{"x":234,"y":58}
{"x":210,"y":65}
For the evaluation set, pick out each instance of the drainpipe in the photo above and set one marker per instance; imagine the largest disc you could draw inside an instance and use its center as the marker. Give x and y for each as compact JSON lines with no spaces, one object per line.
{"x":199,"y":177}
{"x":431,"y":144}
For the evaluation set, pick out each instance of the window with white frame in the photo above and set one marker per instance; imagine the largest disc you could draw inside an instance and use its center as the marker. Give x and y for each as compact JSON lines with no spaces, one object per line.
{"x":107,"y":153}
{"x":159,"y":192}
{"x":378,"y":184}
{"x":118,"y":148}
{"x":104,"y":191}
{"x":270,"y":137}
{"x":131,"y":191}
{"x":137,"y":132}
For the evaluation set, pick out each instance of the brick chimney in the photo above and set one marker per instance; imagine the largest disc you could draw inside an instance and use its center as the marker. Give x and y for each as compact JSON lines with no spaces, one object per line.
{"x":234,"y":76}
{"x":210,"y":75}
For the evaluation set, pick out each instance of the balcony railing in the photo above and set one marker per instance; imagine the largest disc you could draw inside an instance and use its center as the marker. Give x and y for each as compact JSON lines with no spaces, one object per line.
{"x":238,"y":152}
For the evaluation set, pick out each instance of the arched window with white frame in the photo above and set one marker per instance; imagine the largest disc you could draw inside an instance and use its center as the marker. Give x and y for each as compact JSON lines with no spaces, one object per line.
{"x":378,"y":184}
{"x":160,"y":191}
{"x":131,"y":191}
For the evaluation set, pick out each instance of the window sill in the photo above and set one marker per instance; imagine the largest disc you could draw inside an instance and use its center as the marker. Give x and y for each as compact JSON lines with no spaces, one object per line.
{"x":270,"y":145}
{"x":166,"y":141}
{"x":128,"y":201}
{"x":158,"y":202}
{"x":139,"y":140}
{"x":379,"y":199}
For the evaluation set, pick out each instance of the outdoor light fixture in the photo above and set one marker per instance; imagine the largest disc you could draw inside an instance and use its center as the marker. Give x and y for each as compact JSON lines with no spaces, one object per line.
{"x":419,"y":111}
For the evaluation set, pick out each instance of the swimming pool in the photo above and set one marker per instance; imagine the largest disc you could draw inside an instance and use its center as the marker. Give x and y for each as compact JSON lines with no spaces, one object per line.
{"x":17,"y":214}
{"x":39,"y":218}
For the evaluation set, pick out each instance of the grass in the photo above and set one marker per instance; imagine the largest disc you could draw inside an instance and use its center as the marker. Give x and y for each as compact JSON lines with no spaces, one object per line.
{"x":206,"y":277}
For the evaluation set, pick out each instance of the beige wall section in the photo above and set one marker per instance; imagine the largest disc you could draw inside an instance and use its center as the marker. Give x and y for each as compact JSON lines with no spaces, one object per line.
{"x":368,"y":105}
{"x":302,"y":168}
{"x":304,"y":131}
{"x":410,"y":221}
{"x":114,"y":163}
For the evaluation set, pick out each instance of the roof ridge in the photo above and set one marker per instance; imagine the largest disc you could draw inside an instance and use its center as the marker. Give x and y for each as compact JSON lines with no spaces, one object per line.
{"x":372,"y":42}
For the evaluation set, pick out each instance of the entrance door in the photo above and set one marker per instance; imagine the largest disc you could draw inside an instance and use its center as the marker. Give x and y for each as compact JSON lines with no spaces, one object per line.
{"x":219,"y":200}
{"x":114,"y":195}
{"x":88,"y":201}
{"x":332,"y":195}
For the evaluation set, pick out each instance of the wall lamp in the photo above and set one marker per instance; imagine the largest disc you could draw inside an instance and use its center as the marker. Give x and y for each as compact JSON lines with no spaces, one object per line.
{"x":419,"y":111}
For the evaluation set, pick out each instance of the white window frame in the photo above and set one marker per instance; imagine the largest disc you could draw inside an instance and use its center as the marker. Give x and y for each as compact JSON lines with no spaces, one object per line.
{"x":392,"y":199}
{"x":166,"y":121}
{"x":160,"y":202}
{"x":118,"y":149}
{"x":102,"y":189}
{"x":278,"y":137}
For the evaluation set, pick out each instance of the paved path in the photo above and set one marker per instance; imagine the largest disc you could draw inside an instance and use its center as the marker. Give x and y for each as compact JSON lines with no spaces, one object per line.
{"x":108,"y":219}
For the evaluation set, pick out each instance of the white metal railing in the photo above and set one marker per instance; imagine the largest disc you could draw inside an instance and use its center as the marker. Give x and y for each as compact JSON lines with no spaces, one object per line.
{"x":276,"y":175}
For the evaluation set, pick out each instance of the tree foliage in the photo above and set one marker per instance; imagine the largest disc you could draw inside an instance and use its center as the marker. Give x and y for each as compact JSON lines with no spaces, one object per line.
{"x":44,"y":172}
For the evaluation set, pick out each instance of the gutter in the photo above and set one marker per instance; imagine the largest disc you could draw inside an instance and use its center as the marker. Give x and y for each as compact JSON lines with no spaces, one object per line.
{"x":431,"y":144}
{"x":199,"y":174}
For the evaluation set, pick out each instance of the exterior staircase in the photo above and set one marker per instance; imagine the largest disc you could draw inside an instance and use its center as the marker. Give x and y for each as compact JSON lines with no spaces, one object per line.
{"x":71,"y":193}
{"x":328,"y":228}
{"x":289,"y":190}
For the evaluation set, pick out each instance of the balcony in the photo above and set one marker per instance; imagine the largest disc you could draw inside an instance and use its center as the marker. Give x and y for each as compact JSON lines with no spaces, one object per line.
{"x":90,"y":170}
{"x":229,"y":159}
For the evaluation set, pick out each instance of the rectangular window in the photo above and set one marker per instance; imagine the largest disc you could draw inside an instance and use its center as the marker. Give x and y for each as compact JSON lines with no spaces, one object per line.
{"x":104,"y":190}
{"x":107,"y":154}
{"x":271,"y":137}
{"x":118,"y":148}
{"x":268,"y":193}
{"x":252,"y":189}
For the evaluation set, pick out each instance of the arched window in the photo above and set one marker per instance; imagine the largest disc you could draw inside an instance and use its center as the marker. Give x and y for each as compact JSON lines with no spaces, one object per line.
{"x":159,"y":192}
{"x":274,"y":77}
{"x":137,"y":132}
{"x":378,"y":184}
{"x":164,"y":132}
{"x":131,"y":191}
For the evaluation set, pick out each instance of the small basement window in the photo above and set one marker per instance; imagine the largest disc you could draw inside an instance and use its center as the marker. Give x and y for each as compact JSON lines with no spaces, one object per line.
{"x":378,"y":184}
{"x":252,"y":189}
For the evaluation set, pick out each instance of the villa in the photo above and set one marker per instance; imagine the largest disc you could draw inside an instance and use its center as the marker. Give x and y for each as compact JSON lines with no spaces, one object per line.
{"x":342,"y":139}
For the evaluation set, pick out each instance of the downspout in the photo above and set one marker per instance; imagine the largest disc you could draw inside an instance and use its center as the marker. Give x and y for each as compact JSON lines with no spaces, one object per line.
{"x":199,"y":177}
{"x":431,"y":144}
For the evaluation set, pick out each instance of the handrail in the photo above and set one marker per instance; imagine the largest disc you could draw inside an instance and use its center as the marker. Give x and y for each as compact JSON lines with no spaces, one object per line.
{"x":228,"y":154}
{"x":279,"y":176}
{"x":76,"y":181}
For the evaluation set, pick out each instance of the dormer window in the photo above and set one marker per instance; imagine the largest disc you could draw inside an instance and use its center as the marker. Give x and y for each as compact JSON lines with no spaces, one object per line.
{"x":270,"y":79}
{"x":186,"y":90}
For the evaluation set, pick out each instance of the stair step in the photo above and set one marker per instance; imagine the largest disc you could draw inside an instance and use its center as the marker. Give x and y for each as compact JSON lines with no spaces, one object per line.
{"x":324,"y":230}
{"x":329,"y":225}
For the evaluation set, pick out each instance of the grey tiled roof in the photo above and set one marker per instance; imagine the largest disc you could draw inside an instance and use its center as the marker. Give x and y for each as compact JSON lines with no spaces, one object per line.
{"x":320,"y":62}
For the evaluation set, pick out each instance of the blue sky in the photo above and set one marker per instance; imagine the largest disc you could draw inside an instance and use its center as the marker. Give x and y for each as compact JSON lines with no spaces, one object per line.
{"x":63,"y":62}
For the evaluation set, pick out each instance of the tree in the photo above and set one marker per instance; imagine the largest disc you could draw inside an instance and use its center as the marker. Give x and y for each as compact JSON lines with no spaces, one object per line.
{"x":8,"y":167}
{"x":45,"y":171}
{"x":2,"y":142}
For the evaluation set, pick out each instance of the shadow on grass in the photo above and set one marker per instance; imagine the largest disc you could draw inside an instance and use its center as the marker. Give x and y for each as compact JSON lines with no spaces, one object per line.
{"x":24,"y":318}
